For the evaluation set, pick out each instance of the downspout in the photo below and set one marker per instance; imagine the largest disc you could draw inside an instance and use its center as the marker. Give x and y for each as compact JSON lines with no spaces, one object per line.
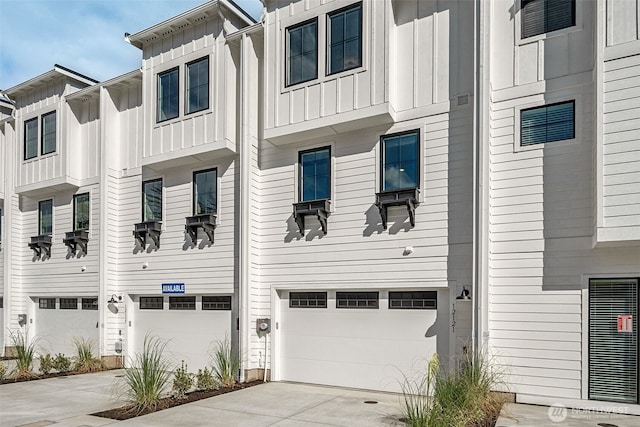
{"x":104,"y":226}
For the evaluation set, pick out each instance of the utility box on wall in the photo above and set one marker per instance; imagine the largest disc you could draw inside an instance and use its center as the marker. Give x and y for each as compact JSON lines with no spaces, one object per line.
{"x":263,"y":327}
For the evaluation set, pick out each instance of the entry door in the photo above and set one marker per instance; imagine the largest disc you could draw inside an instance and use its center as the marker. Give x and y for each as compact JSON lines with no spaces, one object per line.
{"x":613,"y":340}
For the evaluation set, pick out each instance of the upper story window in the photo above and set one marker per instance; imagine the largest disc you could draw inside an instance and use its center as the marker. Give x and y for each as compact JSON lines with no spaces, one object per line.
{"x":197,"y":92}
{"x":205,"y":191}
{"x":548,"y":123}
{"x":543,"y":16}
{"x":344,"y":39}
{"x":48,"y":133}
{"x":45,"y":217}
{"x":315,"y":174}
{"x":81,"y":211}
{"x":152,"y":200}
{"x":168,"y":95}
{"x":400,"y":161}
{"x":31,"y":138}
{"x":302,"y":52}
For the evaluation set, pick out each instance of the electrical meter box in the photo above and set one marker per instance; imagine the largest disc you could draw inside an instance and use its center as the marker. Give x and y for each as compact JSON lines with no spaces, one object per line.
{"x":263,"y":326}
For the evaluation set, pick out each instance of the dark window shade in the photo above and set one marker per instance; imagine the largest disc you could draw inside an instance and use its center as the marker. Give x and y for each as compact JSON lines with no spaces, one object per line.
{"x":543,"y":16}
{"x":47,"y":303}
{"x":68,"y":303}
{"x":216,"y":302}
{"x":151,"y":303}
{"x":547,"y":123}
{"x":182,"y":303}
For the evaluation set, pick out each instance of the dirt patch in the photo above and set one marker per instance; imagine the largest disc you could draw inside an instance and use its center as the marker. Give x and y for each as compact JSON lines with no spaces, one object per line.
{"x":44,"y":377}
{"x":130,"y":411}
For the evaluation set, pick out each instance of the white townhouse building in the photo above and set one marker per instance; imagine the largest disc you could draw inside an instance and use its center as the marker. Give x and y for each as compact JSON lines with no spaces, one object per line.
{"x":343,"y":189}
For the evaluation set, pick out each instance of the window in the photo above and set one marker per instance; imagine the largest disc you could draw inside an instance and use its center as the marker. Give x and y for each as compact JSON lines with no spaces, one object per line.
{"x":302,"y":52}
{"x":68,"y":303}
{"x":1,"y":302}
{"x":168,"y":98}
{"x":308,"y":300}
{"x":152,"y":200}
{"x":543,"y":16}
{"x":205,"y":192}
{"x":89,"y":303}
{"x":48,"y":133}
{"x":356,"y":300}
{"x":0,"y":225}
{"x":45,"y":217}
{"x":216,"y":303}
{"x":197,"y":86}
{"x":31,"y":139}
{"x":81,"y":211}
{"x":423,"y":300}
{"x":400,"y":167}
{"x":182,"y":303}
{"x":47,"y":303}
{"x":151,"y":303}
{"x":315,"y":174}
{"x":548,"y":123}
{"x":344,"y":39}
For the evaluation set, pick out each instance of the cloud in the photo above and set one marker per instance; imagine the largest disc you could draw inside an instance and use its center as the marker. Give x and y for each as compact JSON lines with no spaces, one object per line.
{"x":84,"y":35}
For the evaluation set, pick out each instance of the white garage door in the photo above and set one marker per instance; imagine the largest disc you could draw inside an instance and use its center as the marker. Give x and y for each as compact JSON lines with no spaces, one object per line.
{"x":191,"y":324}
{"x":361,"y":339}
{"x":59,"y":321}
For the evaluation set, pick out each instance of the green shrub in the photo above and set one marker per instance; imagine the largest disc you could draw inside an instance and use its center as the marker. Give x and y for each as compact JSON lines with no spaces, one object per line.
{"x":85,"y":360}
{"x":205,"y":380}
{"x":148,"y":375}
{"x":46,"y":364}
{"x":3,"y":371}
{"x":182,"y":381}
{"x":61,"y":363}
{"x":25,"y":352}
{"x":225,"y":363}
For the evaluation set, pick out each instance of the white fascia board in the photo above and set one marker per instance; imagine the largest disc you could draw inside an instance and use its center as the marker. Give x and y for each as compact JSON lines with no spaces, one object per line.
{"x":57,"y":71}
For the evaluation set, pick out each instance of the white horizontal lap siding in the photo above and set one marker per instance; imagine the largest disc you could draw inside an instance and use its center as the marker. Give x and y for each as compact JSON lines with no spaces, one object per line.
{"x":62,"y":274}
{"x":541,"y":211}
{"x":621,"y":178}
{"x":204,"y":268}
{"x":356,"y":248}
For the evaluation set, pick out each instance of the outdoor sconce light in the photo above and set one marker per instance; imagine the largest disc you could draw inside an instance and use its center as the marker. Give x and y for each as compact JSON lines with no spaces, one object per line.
{"x":464,"y":294}
{"x":111,"y":304}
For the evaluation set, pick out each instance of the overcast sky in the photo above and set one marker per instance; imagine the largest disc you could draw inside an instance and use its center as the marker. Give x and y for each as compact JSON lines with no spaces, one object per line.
{"x":84,"y":35}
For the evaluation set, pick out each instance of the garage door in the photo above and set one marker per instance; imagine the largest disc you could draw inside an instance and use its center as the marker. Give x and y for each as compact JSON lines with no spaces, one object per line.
{"x":58,"y":321}
{"x":360,"y":339}
{"x":191,"y":324}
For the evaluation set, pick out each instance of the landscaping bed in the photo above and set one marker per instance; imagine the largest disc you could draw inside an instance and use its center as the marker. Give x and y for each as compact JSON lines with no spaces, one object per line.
{"x":130,"y":411}
{"x":49,"y":375}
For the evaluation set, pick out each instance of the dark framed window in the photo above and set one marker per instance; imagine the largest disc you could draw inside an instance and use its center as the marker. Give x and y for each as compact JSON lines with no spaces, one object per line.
{"x":366,"y":300}
{"x":68,"y":303}
{"x":45,"y":217}
{"x":417,"y":300}
{"x":216,"y":302}
{"x":544,"y":16}
{"x":308,"y":299}
{"x":151,"y":303}
{"x":301,"y":52}
{"x":1,"y":302}
{"x":182,"y":303}
{"x":81,"y":211}
{"x":89,"y":303}
{"x":31,"y":138}
{"x":548,"y":123}
{"x":400,"y":161}
{"x":344,"y":39}
{"x":197,"y":86}
{"x":1,"y":219}
{"x":205,"y":191}
{"x":47,"y":303}
{"x":168,"y":95}
{"x":152,"y":200}
{"x":315,"y":174}
{"x":48,"y":133}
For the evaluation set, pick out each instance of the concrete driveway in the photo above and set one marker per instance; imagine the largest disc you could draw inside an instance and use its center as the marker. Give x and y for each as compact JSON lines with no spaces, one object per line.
{"x":66,"y":401}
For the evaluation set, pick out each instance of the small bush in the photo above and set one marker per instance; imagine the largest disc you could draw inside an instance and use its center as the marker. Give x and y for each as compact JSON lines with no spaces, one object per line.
{"x":25,"y":352}
{"x":225,"y":363}
{"x":3,"y":371}
{"x":46,"y":364}
{"x":205,"y":380}
{"x":61,"y":363}
{"x":85,"y":360}
{"x":182,"y":381}
{"x":148,"y":375}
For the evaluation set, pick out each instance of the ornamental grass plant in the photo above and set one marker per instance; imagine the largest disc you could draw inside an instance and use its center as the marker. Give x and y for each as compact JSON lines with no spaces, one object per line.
{"x":25,"y":353}
{"x":85,"y":361}
{"x":226,"y":363}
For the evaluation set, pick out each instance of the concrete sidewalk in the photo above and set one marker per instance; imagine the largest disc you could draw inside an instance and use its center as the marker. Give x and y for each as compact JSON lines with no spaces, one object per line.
{"x":520,"y":415}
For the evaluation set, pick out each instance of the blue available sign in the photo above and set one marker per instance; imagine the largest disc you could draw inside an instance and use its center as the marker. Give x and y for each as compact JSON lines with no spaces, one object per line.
{"x":173,"y":288}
